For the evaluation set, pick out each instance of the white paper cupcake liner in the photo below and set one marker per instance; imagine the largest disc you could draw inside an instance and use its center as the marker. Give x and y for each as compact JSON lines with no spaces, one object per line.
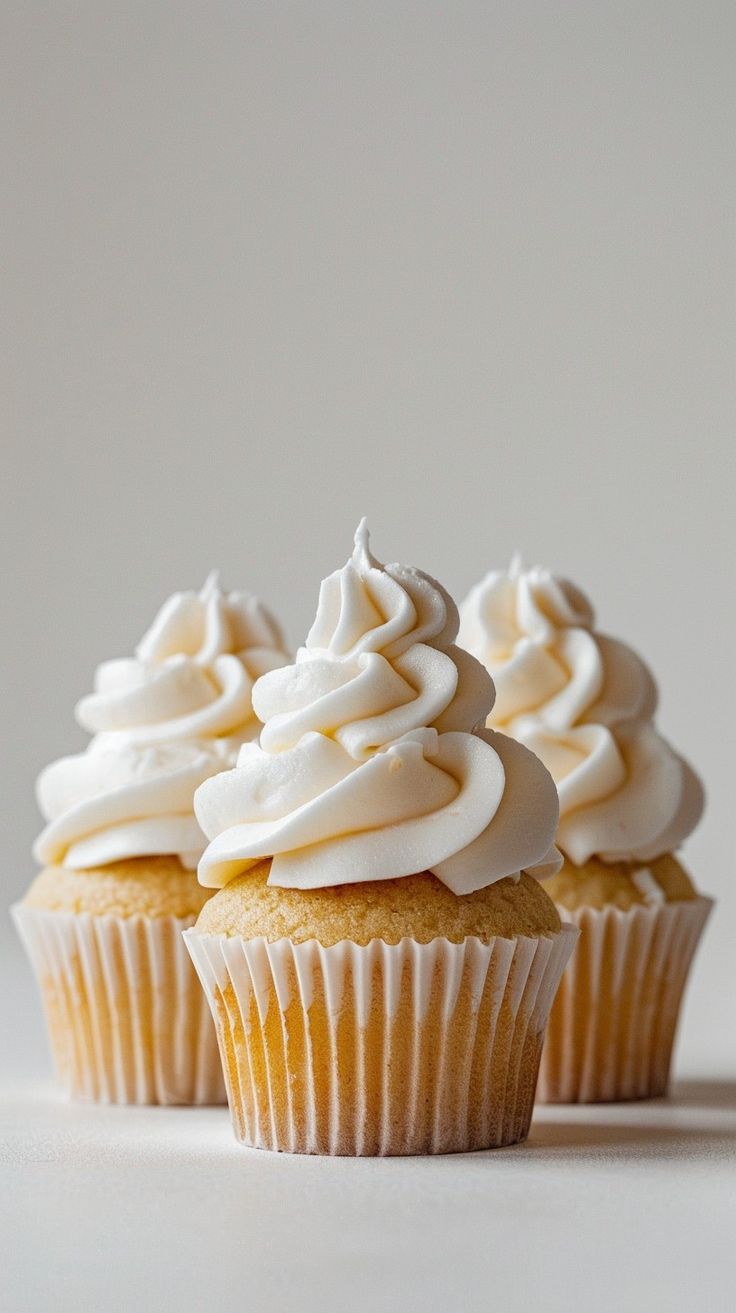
{"x":612,"y":1027}
{"x":126,"y":1017}
{"x":380,"y":1049}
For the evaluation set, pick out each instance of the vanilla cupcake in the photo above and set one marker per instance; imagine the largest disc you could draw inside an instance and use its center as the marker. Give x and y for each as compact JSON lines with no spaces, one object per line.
{"x":379,"y":961}
{"x":584,"y":703}
{"x":102,"y":922}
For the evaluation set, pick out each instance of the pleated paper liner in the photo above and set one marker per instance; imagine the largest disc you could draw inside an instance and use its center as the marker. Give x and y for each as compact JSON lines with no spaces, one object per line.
{"x":126,"y":1017}
{"x":612,"y":1027}
{"x":380,"y":1049}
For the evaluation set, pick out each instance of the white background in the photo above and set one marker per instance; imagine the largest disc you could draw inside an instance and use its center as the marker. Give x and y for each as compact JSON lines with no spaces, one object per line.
{"x":467,"y":268}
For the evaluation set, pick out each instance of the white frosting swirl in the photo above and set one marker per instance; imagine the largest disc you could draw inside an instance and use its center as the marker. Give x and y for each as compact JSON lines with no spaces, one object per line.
{"x":163,"y":722}
{"x":369,"y":765}
{"x":584,"y":703}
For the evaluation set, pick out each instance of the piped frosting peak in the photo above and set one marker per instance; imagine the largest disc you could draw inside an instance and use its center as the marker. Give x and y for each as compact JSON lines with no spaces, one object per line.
{"x":163,"y":721}
{"x":370,"y":763}
{"x":584,"y":703}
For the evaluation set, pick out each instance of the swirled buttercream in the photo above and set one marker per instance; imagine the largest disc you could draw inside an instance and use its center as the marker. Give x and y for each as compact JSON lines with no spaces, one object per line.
{"x":163,"y":721}
{"x":584,"y":703}
{"x":370,"y":764}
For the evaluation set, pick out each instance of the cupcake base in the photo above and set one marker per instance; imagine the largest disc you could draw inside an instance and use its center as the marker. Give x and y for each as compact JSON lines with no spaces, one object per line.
{"x":612,"y":1027}
{"x":126,"y":1018}
{"x":380,"y":1049}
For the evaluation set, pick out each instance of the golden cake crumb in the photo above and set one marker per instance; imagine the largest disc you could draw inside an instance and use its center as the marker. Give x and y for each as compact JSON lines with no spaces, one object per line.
{"x":416,"y":906}
{"x":142,"y":886}
{"x":612,"y":884}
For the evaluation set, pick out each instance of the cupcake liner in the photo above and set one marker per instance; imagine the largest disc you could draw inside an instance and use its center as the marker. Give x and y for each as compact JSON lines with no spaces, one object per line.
{"x":612,"y":1027}
{"x":380,"y":1049}
{"x":126,"y":1017}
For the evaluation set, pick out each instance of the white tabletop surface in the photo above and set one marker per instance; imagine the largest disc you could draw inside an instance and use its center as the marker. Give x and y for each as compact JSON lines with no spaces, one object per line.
{"x":629,"y":1207}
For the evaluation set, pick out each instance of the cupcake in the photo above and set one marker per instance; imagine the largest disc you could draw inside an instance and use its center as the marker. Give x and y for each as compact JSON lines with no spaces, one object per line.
{"x":379,"y":960}
{"x":102,"y":922}
{"x":584,"y":703}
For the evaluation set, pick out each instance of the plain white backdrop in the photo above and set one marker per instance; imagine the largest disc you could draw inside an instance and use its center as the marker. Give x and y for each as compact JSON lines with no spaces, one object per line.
{"x":465,"y":268}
